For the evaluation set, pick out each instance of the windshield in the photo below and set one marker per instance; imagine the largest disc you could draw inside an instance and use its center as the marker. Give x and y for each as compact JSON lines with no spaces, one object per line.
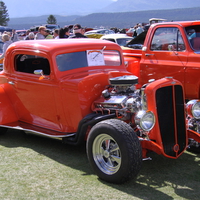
{"x":88,"y":58}
{"x":123,"y":41}
{"x":193,"y":34}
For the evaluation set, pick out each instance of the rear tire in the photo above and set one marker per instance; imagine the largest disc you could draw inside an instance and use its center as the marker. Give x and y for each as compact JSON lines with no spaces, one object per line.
{"x":3,"y":130}
{"x":114,"y":151}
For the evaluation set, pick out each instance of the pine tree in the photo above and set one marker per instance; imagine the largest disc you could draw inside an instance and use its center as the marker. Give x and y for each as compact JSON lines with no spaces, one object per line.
{"x":51,"y":20}
{"x":4,"y":17}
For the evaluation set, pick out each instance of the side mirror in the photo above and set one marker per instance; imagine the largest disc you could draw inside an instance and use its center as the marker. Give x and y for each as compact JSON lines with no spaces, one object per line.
{"x":39,"y":72}
{"x":144,"y":48}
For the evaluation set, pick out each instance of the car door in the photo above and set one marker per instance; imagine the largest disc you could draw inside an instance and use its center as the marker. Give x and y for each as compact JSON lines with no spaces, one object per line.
{"x":165,"y":55}
{"x":34,"y":94}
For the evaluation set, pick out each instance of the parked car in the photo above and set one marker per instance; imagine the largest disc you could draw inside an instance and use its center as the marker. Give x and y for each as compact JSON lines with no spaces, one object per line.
{"x":5,"y":28}
{"x":97,"y":33}
{"x":171,"y":49}
{"x":120,"y":39}
{"x":51,"y":26}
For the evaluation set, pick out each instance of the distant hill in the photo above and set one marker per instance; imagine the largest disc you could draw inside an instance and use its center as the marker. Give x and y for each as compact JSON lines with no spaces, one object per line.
{"x":118,"y":19}
{"x":141,"y":5}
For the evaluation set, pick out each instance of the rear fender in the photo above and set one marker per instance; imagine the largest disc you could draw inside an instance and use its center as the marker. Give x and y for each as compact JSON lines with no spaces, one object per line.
{"x":7,"y":112}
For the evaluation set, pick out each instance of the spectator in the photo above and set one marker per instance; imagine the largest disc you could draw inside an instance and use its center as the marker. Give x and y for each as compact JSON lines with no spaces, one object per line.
{"x":56,"y":34}
{"x":64,"y":32}
{"x":6,"y":40}
{"x":78,"y":31}
{"x":30,"y":36}
{"x":191,"y":34}
{"x":14,"y":36}
{"x":49,"y":35}
{"x":139,"y":29}
{"x":27,"y":33}
{"x":41,"y":33}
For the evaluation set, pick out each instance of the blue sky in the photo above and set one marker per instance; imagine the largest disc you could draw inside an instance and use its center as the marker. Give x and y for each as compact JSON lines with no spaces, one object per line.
{"x":23,"y":8}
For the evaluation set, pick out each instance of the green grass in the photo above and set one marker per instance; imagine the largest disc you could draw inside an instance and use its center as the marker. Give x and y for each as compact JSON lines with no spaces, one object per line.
{"x":33,"y":167}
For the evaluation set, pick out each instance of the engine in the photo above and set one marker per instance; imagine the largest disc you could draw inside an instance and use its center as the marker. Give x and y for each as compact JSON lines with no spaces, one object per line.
{"x":120,"y":96}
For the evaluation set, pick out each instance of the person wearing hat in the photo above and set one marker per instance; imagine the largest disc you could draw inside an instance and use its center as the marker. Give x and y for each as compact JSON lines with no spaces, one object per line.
{"x":6,"y":40}
{"x":78,"y":31}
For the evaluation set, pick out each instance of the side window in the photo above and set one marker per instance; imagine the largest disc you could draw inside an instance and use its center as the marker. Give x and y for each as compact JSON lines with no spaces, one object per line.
{"x":193,"y":34}
{"x":29,"y":63}
{"x":167,"y":39}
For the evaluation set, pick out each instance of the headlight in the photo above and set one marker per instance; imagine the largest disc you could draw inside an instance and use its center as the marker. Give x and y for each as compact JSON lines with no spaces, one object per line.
{"x":146,"y":120}
{"x":193,"y":108}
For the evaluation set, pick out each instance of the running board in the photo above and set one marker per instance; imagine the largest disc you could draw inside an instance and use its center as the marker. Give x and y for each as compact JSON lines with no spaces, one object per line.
{"x":37,"y":130}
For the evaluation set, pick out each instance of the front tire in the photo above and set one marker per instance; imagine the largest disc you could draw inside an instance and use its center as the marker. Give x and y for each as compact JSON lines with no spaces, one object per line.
{"x":114,"y":151}
{"x":194,"y":146}
{"x":3,"y":130}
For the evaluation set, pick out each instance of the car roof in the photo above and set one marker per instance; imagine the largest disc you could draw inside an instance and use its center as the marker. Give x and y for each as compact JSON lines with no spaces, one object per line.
{"x":182,"y":23}
{"x":63,"y":45}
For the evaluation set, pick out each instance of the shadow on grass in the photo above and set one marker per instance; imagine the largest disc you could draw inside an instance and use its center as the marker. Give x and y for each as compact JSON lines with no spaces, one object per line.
{"x":183,"y":174}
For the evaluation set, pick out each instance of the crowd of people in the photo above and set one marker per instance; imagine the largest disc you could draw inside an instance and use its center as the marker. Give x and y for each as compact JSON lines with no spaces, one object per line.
{"x":66,"y":32}
{"x":43,"y":33}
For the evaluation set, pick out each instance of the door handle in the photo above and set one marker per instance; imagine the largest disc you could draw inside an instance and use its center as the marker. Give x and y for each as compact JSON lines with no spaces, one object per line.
{"x":11,"y":83}
{"x":149,"y":54}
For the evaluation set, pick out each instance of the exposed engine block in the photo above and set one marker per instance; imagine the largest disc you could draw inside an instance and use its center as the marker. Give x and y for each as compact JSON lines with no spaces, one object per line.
{"x":121,"y":96}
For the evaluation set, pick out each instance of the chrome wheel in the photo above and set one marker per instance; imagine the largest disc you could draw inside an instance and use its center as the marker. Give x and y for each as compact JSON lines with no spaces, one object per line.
{"x":114,"y":151}
{"x":106,"y":154}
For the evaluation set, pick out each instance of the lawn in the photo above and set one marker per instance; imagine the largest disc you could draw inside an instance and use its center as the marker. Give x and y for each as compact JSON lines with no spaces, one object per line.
{"x":34,"y":167}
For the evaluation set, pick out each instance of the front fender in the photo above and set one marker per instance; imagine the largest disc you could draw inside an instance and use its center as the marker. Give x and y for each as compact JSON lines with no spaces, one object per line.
{"x":193,"y":135}
{"x":7,"y":112}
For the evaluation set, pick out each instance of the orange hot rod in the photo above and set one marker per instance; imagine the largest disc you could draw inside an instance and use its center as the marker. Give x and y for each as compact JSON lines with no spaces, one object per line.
{"x":78,"y":90}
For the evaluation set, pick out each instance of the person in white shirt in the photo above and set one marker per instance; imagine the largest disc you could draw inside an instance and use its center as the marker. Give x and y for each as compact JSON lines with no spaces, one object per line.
{"x":6,"y":40}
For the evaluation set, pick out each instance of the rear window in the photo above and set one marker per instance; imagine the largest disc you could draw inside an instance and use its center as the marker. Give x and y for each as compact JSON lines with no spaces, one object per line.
{"x":88,"y":58}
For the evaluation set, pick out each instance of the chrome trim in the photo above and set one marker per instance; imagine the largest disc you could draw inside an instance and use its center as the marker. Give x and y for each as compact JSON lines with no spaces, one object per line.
{"x":37,"y":132}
